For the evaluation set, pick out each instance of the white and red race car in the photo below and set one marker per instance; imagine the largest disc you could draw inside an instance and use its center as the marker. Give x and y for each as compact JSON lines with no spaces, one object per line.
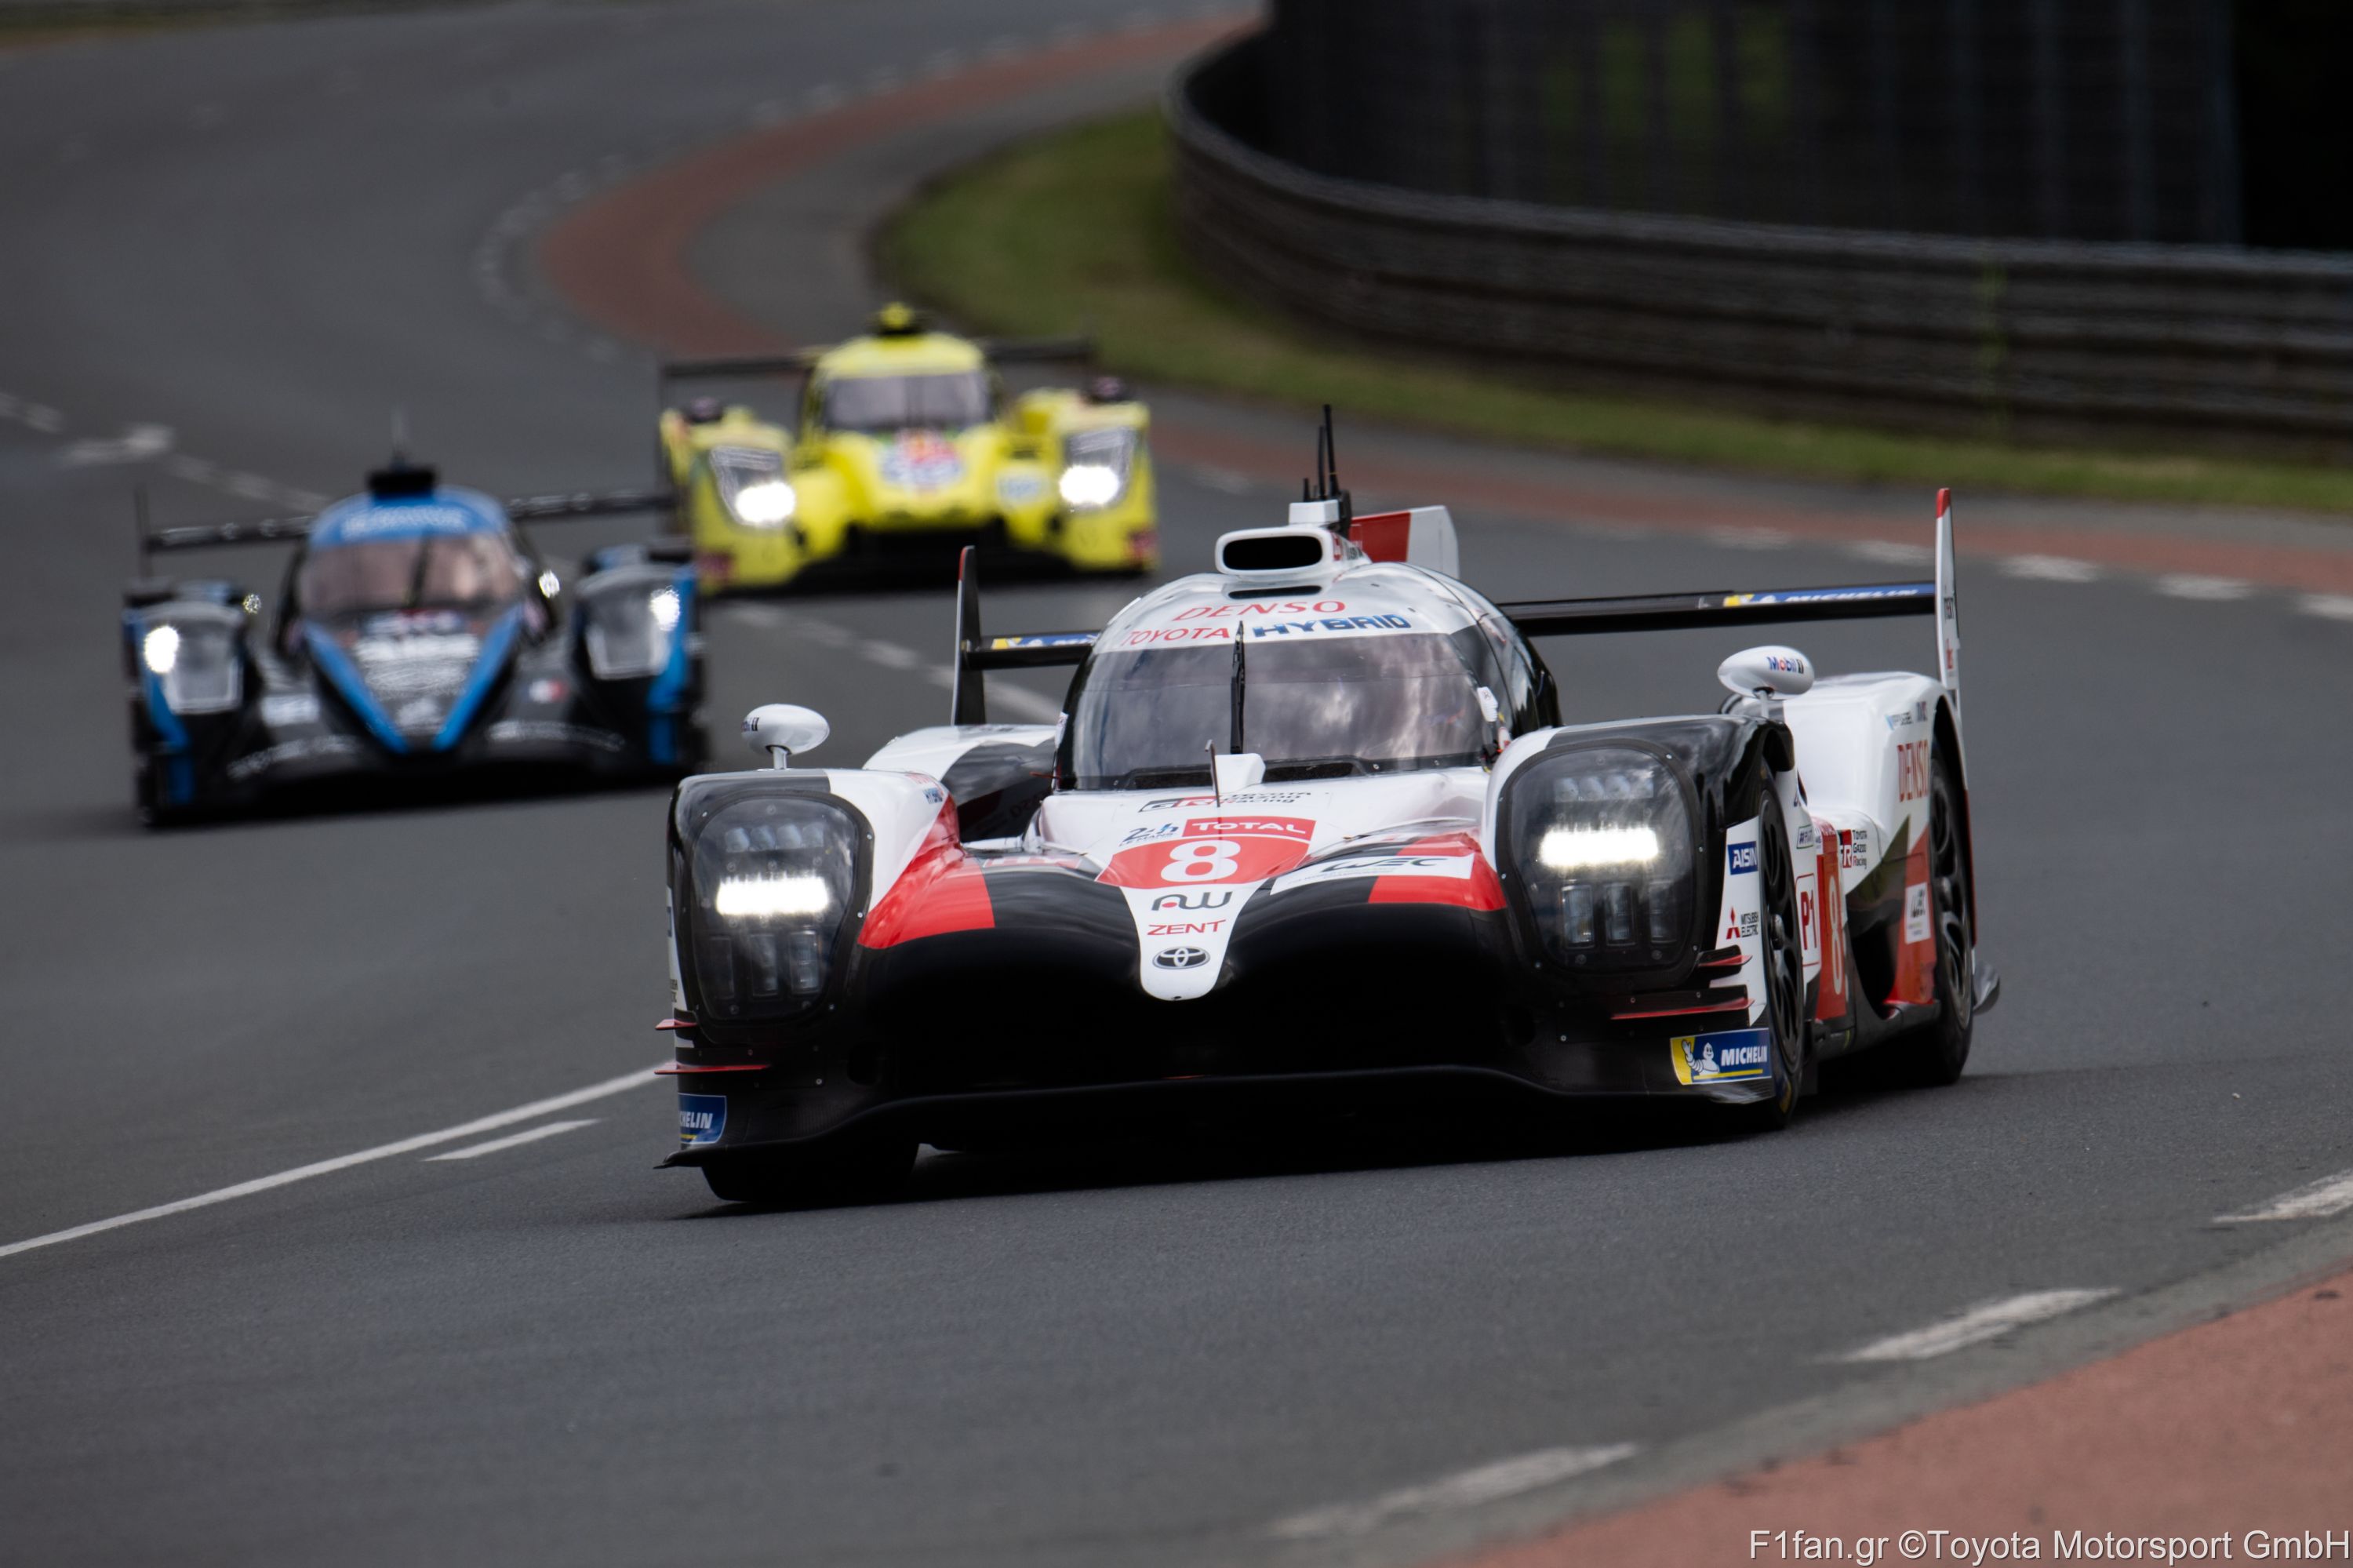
{"x":1310,"y":830}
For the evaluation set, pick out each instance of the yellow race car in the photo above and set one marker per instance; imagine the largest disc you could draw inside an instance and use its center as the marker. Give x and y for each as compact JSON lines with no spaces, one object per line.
{"x":907,"y":448}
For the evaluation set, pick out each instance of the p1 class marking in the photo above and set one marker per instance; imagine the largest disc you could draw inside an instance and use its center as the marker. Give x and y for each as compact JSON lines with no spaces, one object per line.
{"x":491,"y":1123}
{"x":1974,"y":1326}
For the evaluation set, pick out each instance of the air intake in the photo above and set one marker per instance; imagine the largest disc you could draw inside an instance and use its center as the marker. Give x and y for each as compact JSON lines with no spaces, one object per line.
{"x":1274,"y":552}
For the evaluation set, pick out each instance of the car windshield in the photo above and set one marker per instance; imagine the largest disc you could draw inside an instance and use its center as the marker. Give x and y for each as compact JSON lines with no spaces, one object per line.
{"x":1319,"y":707}
{"x":946,"y":402}
{"x":440,"y":571}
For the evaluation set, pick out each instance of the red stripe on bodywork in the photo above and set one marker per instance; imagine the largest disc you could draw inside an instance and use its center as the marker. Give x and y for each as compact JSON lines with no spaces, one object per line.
{"x":1829,"y":908}
{"x":1916,"y":962}
{"x":941,"y":891}
{"x":1383,"y":535}
{"x":1479,"y":890}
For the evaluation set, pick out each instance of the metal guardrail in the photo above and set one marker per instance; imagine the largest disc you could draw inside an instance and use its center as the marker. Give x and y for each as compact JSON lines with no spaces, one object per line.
{"x":2139,"y":338}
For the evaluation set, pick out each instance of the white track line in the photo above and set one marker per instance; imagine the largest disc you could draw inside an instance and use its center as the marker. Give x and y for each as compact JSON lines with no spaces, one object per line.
{"x":513,"y":1140}
{"x":1976,"y":1325}
{"x":2329,"y":1196}
{"x":2190,"y":584}
{"x":1892,"y":553}
{"x":2051,"y":568}
{"x":345,"y":1161}
{"x":1028,"y":704}
{"x":2332,"y":605}
{"x":1467,"y":1488}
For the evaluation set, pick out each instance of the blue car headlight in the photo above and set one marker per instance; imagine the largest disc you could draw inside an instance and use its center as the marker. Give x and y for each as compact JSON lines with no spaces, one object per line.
{"x":630,"y":623}
{"x":1601,"y":840}
{"x":767,"y":884}
{"x":195,"y":658}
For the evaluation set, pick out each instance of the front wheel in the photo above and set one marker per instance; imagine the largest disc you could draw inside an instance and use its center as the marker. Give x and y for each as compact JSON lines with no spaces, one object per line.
{"x":1785,"y":968}
{"x":866,"y":1170}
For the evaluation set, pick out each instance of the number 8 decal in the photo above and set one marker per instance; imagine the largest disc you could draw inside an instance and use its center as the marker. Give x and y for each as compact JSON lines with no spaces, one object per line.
{"x":1203,"y":860}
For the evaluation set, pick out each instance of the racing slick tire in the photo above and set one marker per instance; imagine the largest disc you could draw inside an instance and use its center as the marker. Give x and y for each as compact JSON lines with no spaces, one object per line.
{"x":864,"y":1171}
{"x":1935,"y":1054}
{"x":1785,"y":972}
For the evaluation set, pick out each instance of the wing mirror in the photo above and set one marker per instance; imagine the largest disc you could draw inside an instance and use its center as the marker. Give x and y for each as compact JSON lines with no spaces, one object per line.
{"x":777,"y":730}
{"x":1768,"y":674}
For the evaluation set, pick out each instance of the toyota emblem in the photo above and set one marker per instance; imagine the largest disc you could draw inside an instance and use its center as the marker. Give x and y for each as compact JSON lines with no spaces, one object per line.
{"x":1180,"y":958}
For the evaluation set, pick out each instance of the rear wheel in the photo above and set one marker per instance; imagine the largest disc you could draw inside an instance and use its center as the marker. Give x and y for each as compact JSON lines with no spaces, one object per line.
{"x":1785,"y":968}
{"x":866,"y":1170}
{"x":1935,"y":1054}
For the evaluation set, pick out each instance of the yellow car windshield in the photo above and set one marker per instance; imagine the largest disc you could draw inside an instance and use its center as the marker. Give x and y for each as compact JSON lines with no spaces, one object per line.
{"x":873,"y":404}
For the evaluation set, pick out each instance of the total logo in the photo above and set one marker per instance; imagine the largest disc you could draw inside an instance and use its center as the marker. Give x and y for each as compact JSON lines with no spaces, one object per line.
{"x":1180,"y":958}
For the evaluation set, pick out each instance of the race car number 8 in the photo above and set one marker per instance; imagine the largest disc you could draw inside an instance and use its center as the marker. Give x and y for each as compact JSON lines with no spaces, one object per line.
{"x":1203,"y":860}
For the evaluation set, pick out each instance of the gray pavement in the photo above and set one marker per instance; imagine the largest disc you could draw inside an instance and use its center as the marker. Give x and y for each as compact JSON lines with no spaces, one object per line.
{"x":265,"y":237}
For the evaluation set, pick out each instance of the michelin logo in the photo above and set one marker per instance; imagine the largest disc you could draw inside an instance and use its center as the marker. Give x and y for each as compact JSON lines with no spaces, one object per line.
{"x":700,"y":1119}
{"x":1732,"y":1056}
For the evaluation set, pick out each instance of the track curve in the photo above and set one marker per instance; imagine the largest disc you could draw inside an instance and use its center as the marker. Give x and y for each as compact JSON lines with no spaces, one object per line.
{"x":266,"y":237}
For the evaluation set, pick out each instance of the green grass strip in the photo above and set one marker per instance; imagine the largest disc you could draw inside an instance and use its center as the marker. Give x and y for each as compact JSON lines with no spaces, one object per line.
{"x":1074,"y":229}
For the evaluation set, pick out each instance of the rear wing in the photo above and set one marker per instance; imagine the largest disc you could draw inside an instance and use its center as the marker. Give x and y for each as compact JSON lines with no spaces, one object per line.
{"x":551,"y":508}
{"x":976,"y":653}
{"x":799,"y":361}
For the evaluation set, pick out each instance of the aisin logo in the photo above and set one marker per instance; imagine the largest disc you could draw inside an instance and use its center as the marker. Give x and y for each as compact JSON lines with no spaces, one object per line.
{"x":1180,"y":958}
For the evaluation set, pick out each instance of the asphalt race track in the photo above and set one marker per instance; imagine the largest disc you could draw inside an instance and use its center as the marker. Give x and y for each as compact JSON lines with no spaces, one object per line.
{"x":265,"y":239}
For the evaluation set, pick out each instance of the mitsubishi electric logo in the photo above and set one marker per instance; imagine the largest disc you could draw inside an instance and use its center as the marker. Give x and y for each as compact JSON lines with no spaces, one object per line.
{"x":1180,"y":958}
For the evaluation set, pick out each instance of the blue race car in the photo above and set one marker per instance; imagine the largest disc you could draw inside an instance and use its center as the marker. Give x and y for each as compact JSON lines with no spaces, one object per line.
{"x":419,"y":636}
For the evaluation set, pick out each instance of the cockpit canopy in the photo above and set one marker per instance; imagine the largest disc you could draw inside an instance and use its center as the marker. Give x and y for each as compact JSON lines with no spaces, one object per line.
{"x":1315,"y":705}
{"x":449,"y":550}
{"x":879,"y":405}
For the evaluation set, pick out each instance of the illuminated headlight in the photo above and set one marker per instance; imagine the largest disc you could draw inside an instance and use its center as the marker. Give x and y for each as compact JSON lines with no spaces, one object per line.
{"x":769,"y":880}
{"x":630,"y":629}
{"x":1096,"y":467}
{"x":771,"y":897}
{"x":549,"y":584}
{"x":753,"y":487}
{"x":1089,"y":484}
{"x":194,"y":660}
{"x":1581,"y":849}
{"x":1602,"y":840}
{"x":161,"y":648}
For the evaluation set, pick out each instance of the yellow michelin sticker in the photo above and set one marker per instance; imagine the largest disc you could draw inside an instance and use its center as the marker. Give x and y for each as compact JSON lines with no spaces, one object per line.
{"x":1730,"y":1056}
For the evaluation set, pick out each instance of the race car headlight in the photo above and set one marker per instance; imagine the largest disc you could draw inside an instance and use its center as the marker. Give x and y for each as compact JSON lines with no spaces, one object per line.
{"x":194,"y":660}
{"x":1096,"y":467}
{"x":630,"y":627}
{"x":1602,"y":840}
{"x":753,"y":487}
{"x":770,"y":879}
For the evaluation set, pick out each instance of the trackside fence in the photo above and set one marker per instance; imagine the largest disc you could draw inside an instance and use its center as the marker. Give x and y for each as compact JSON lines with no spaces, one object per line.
{"x":2147,"y":339}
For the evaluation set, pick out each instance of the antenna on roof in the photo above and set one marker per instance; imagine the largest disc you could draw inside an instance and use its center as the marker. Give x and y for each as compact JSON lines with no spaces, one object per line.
{"x":401,"y":478}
